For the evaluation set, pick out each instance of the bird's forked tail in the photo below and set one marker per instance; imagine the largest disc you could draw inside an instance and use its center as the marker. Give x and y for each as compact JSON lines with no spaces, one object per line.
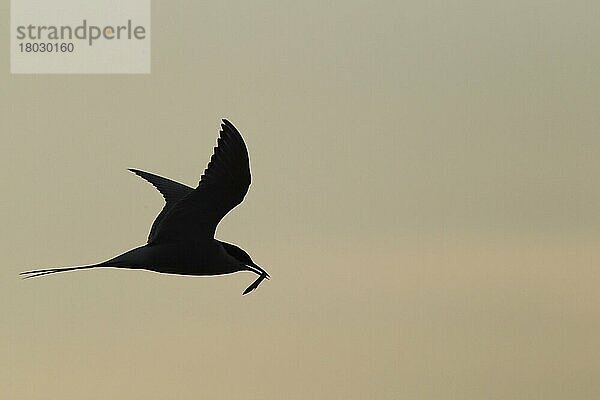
{"x":41,"y":272}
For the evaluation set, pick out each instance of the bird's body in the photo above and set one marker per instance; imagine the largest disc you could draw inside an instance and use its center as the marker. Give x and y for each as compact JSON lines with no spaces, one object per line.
{"x":181,"y":240}
{"x":185,"y":258}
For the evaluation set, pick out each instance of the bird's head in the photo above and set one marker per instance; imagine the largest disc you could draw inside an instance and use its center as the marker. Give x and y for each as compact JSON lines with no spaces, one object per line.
{"x":243,"y":257}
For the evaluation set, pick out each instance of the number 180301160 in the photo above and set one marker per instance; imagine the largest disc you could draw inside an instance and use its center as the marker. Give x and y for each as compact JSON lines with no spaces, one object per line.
{"x":46,"y":47}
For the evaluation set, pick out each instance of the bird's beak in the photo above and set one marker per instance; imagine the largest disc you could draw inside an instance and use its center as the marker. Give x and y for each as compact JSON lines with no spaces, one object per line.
{"x":263,"y":272}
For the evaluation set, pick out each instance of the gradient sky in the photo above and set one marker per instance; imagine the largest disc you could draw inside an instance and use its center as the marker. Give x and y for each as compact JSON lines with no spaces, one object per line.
{"x":425,"y":197}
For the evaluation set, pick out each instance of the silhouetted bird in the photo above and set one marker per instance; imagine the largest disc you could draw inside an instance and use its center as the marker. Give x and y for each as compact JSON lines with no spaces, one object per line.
{"x":181,"y":239}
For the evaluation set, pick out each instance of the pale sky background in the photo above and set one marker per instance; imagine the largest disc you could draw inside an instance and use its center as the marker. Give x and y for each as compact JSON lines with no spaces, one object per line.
{"x":425,"y":197}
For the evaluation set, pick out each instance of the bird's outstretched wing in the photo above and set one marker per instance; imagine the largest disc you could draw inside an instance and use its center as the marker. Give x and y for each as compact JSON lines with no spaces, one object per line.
{"x":223,"y":186}
{"x":172,"y":192}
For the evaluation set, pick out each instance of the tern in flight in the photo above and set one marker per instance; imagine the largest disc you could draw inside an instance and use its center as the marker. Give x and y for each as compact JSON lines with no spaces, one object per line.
{"x":181,"y":239}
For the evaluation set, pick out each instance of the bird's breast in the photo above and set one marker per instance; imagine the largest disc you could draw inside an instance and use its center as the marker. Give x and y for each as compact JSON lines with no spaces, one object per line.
{"x":189,"y":259}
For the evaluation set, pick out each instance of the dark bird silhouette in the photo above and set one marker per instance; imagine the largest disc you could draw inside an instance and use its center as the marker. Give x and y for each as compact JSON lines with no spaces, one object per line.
{"x":181,"y":239}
